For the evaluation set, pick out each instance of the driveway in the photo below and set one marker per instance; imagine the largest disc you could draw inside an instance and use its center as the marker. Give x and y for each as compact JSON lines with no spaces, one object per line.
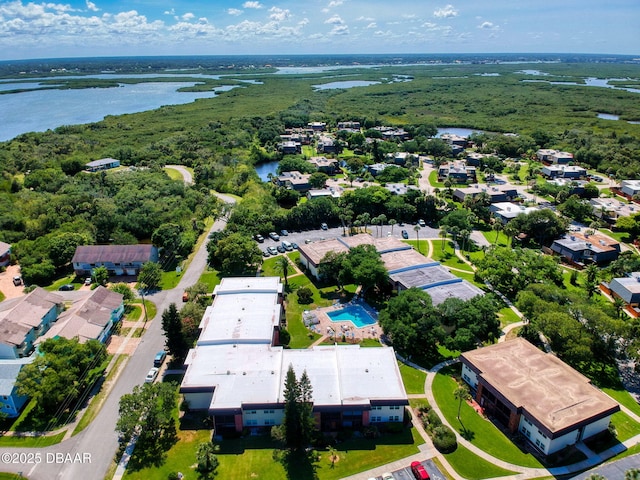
{"x":6,"y":282}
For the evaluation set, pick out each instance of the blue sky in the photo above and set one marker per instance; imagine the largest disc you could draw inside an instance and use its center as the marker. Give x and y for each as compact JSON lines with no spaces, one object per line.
{"x":203,"y":27}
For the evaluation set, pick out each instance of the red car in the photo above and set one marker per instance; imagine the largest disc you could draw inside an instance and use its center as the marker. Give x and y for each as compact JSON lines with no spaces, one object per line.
{"x":418,"y":471}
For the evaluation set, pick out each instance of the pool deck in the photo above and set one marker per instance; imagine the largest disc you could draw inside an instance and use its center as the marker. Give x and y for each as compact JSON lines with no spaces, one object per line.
{"x":329,"y":328}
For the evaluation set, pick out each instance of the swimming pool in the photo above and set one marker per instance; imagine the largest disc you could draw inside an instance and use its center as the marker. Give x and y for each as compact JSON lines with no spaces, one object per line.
{"x":354,"y":314}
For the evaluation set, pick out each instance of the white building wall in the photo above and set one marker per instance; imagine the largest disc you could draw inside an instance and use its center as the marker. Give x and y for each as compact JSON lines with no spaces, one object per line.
{"x":469,"y":376}
{"x":262,"y":417}
{"x":596,"y":427}
{"x":389,"y":413}
{"x":199,"y":401}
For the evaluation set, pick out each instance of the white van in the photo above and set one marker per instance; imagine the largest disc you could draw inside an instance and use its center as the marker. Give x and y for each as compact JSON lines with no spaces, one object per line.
{"x":287,"y":246}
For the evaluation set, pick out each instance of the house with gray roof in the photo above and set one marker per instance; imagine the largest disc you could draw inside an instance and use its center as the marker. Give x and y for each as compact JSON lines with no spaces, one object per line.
{"x":118,"y":259}
{"x":10,"y":402}
{"x":90,"y":317}
{"x":579,"y":248}
{"x":102,"y":164}
{"x":24,"y":319}
{"x":5,"y":254}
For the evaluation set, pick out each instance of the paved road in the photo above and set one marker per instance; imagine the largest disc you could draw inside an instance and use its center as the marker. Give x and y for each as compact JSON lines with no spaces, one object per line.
{"x":92,"y":451}
{"x":186,"y":174}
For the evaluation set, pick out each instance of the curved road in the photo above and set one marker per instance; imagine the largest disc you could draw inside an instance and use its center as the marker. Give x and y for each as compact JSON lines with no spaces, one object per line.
{"x":89,"y":454}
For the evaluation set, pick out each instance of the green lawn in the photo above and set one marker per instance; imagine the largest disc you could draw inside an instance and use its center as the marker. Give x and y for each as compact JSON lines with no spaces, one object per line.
{"x":507,"y":316}
{"x":413,"y":379}
{"x":422,"y":243}
{"x":618,"y":236}
{"x":490,"y":235}
{"x":626,"y":427}
{"x":446,"y":256}
{"x":170,"y":279}
{"x":63,"y":281}
{"x":211,"y":278}
{"x":472,"y":467}
{"x":31,"y":441}
{"x":623,"y":398}
{"x":433,"y":180}
{"x":252,"y":457}
{"x":484,"y":434}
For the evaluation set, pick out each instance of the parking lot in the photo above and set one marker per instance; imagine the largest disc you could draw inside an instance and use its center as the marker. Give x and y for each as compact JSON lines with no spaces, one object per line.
{"x":405,"y":473}
{"x":306,"y":236}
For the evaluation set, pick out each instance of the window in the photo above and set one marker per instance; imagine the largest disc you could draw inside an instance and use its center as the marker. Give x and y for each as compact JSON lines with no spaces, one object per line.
{"x":269,"y":422}
{"x":394,"y":418}
{"x":251,"y":412}
{"x":376,"y":419}
{"x":395,"y":407}
{"x":251,"y":423}
{"x":376,"y":408}
{"x":268,"y":411}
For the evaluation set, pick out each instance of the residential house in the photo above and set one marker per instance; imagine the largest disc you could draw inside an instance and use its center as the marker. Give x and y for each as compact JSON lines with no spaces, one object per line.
{"x":561,"y":158}
{"x":236,"y":371}
{"x":611,"y":209}
{"x":326,"y":144}
{"x":317,"y":126}
{"x":294,"y":180}
{"x":102,"y":164}
{"x":453,"y":139}
{"x":349,"y":126}
{"x":10,"y":401}
{"x":579,"y":248}
{"x":5,"y":254}
{"x":497,"y":194}
{"x":24,"y":319}
{"x":401,"y":158}
{"x":324,"y":192}
{"x":574,"y":187}
{"x":90,"y":317}
{"x":564,"y":171}
{"x":376,"y":168}
{"x":536,"y":394}
{"x":629,"y":188}
{"x":507,"y":211}
{"x":118,"y":259}
{"x":410,"y":269}
{"x":399,"y":188}
{"x":456,"y":172}
{"x":476,"y":159}
{"x":290,"y":147}
{"x":627,"y":289}
{"x":325,"y":165}
{"x":392,"y":133}
{"x":545,"y":154}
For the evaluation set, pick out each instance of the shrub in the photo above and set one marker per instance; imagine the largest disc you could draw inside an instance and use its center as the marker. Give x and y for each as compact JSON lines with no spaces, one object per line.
{"x":444,"y":439}
{"x":305,"y":295}
{"x":433,"y":419}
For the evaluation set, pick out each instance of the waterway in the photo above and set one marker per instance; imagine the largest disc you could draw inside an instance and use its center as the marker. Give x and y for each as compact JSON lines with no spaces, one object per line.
{"x":266,"y":168}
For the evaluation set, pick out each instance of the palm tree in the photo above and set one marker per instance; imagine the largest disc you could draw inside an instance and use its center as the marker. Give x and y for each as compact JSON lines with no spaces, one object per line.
{"x":392,"y":222}
{"x":443,"y":235}
{"x":618,"y":305}
{"x":282,"y":265}
{"x":375,"y":221}
{"x":417,"y":229}
{"x":464,"y":237}
{"x":497,"y":227}
{"x":461,"y":394}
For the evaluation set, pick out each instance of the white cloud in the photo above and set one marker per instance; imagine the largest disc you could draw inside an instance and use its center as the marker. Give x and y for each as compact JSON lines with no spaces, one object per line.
{"x":170,"y":12}
{"x":339,"y":30}
{"x":279,"y":14}
{"x":365,"y":19}
{"x":303,"y":22}
{"x":446,"y":12}
{"x":188,"y":17}
{"x":372,"y":25}
{"x":408,"y":15}
{"x":252,"y":5}
{"x":92,"y":6}
{"x":335,"y":3}
{"x":335,"y":20}
{"x":488,"y":26}
{"x":234,"y":11}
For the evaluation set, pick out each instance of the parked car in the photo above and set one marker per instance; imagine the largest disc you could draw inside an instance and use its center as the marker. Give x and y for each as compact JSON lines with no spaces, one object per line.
{"x":159,"y":358}
{"x":259,"y":238}
{"x":419,"y":471}
{"x":87,"y":281}
{"x":67,"y":287}
{"x":405,"y":234}
{"x":421,"y":223}
{"x":284,"y":233}
{"x":185,"y":297}
{"x":280,"y":249}
{"x":152,"y":375}
{"x":308,"y":240}
{"x":274,"y":236}
{"x":17,"y":280}
{"x":287,"y":246}
{"x":324,"y":226}
{"x":294,"y":245}
{"x":388,"y":476}
{"x":272,"y":250}
{"x":266,"y":253}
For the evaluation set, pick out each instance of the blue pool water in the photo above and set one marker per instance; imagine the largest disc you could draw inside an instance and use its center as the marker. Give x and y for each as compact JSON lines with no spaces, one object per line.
{"x":354,"y":313}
